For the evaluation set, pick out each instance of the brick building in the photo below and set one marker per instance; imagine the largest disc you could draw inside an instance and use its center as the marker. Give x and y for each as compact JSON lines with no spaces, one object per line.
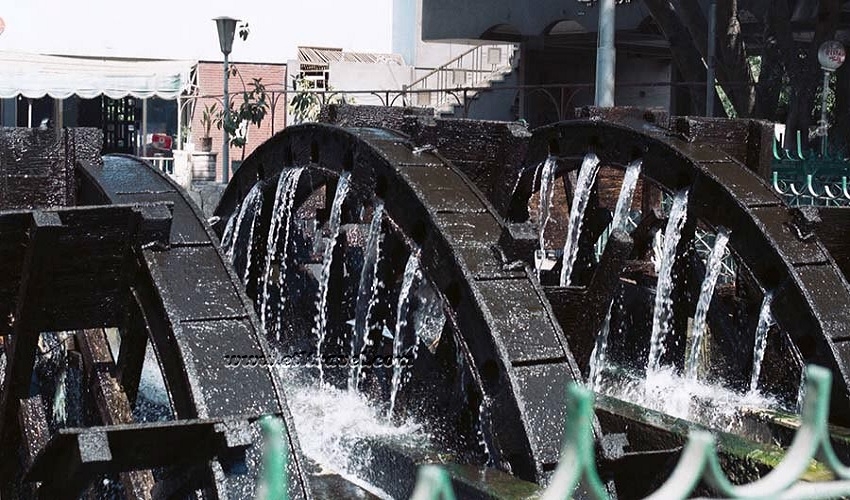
{"x":210,"y":83}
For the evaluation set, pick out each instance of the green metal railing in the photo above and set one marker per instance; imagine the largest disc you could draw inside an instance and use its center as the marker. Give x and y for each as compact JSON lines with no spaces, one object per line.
{"x":810,"y":178}
{"x":699,"y":462}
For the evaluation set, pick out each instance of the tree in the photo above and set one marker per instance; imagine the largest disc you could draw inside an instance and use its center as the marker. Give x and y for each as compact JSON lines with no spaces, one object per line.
{"x":251,"y":111}
{"x":305,"y":104}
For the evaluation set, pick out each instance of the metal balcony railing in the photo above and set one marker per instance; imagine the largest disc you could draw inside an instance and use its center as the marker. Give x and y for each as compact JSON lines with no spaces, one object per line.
{"x":476,"y":67}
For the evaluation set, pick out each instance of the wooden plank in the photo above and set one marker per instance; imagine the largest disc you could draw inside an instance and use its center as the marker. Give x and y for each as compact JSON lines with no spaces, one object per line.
{"x":112,"y":403}
{"x":124,"y":447}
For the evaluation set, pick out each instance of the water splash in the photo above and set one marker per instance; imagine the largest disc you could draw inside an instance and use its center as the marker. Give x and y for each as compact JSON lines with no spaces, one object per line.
{"x":411,"y":274}
{"x":667,"y":391}
{"x":584,"y":185}
{"x":281,"y":219}
{"x":484,"y":423}
{"x":320,"y":328}
{"x":663,"y":312}
{"x":547,"y":178}
{"x":801,"y":392}
{"x":60,"y":397}
{"x":712,"y":272}
{"x":367,"y":295}
{"x":627,"y":193}
{"x":249,"y":213}
{"x":335,"y":428}
{"x":765,"y":320}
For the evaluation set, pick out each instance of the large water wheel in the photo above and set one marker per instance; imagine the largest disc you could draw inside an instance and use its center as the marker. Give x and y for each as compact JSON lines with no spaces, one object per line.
{"x":135,"y":256}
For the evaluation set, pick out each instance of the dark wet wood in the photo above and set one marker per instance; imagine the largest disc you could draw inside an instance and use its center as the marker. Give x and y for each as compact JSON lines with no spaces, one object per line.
{"x":112,"y":403}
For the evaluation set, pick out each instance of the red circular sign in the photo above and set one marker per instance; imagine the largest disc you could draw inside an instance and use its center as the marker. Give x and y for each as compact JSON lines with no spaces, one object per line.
{"x":831,"y":55}
{"x":2,"y":25}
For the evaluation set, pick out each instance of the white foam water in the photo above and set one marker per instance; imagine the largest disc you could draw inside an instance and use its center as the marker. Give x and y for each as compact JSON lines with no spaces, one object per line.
{"x":331,"y":422}
{"x":667,"y":391}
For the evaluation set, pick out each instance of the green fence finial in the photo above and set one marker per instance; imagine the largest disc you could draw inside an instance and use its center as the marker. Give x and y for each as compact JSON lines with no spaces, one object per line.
{"x":433,"y":483}
{"x":274,"y":481}
{"x":578,"y":458}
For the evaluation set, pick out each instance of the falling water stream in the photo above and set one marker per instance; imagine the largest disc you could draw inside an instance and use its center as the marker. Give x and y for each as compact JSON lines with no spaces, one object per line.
{"x":321,"y":325}
{"x":663,"y":311}
{"x":627,"y":193}
{"x":367,"y":296}
{"x":584,"y":186}
{"x":281,"y":222}
{"x":411,"y":275}
{"x":619,"y":222}
{"x":250,"y":209}
{"x":547,"y":178}
{"x":765,"y":320}
{"x":712,"y":272}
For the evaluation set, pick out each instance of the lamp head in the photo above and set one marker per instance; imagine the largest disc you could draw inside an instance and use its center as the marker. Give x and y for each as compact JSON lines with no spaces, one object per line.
{"x":226,"y":28}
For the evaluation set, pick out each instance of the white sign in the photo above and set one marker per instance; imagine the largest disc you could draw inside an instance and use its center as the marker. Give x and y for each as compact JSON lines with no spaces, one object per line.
{"x":831,"y":55}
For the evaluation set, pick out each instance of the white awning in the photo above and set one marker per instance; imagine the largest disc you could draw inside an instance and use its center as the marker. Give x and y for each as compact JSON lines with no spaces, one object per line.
{"x":35,"y":76}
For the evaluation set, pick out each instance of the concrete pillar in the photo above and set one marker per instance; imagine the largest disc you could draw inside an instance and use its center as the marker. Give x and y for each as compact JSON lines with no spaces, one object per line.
{"x":58,"y":117}
{"x":606,"y":55}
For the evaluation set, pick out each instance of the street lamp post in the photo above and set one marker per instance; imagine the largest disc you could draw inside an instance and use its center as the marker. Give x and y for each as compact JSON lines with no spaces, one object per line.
{"x":830,"y":56}
{"x":226,"y":27}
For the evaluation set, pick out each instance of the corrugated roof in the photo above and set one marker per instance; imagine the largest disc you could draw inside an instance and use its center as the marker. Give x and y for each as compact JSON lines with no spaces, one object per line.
{"x":323,"y":55}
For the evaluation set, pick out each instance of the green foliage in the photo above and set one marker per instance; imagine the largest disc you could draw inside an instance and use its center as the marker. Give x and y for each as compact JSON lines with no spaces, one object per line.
{"x":210,"y":116}
{"x":728,"y":107}
{"x":830,"y":100}
{"x":305,"y":104}
{"x":252,"y":110}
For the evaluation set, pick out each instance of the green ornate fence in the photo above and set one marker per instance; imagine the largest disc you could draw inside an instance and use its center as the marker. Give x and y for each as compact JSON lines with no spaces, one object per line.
{"x":809,"y":178}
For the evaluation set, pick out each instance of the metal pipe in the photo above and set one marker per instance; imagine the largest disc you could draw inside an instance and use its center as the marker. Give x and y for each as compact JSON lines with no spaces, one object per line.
{"x":179,"y":123}
{"x":823,"y":119}
{"x":29,"y":112}
{"x":59,"y":117}
{"x":606,"y":55}
{"x":711,"y":59}
{"x":144,"y":141}
{"x":225,"y":147}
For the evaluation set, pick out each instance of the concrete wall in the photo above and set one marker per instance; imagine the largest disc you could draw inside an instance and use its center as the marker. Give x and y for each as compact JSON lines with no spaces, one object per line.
{"x":639,"y":69}
{"x":452,"y":20}
{"x":577,"y":67}
{"x":360,"y":76}
{"x":407,"y":39}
